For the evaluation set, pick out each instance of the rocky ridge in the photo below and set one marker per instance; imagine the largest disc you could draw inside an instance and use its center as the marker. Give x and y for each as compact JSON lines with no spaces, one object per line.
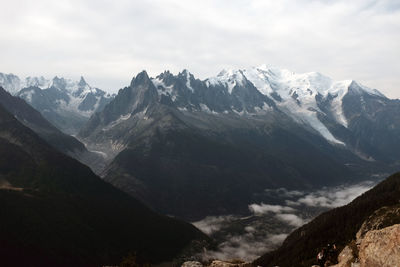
{"x":67,"y":104}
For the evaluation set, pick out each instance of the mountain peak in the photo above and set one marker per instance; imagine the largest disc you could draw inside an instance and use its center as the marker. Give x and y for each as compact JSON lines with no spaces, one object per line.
{"x":229,"y":78}
{"x":59,"y":83}
{"x":141,"y":78}
{"x":82,"y":82}
{"x":10,"y":82}
{"x":185,"y":71}
{"x":356,"y":87}
{"x":186,"y":74}
{"x":39,"y":82}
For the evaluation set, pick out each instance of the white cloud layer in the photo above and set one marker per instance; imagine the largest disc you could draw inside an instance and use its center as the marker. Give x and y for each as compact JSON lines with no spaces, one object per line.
{"x":328,"y":197}
{"x":247,"y":245}
{"x":265,"y":208}
{"x":250,"y":237}
{"x":212,"y":224}
{"x":110,"y":41}
{"x":336,"y":197}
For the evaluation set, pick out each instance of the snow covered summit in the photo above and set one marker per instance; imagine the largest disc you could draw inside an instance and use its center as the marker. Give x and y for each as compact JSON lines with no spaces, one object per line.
{"x":66,"y":103}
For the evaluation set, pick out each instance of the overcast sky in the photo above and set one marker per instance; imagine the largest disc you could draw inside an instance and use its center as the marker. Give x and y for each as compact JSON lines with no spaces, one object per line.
{"x":109,"y":41}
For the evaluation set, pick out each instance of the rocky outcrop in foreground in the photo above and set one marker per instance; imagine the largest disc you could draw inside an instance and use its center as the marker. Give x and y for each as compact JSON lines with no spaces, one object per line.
{"x":217,"y":263}
{"x":377,"y":243}
{"x":381,"y":248}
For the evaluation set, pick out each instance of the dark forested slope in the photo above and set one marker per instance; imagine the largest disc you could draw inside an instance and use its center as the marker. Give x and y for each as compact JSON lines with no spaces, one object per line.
{"x":55,"y":211}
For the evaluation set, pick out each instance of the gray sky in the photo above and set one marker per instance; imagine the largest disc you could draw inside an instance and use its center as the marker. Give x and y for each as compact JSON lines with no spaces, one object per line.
{"x":109,"y":41}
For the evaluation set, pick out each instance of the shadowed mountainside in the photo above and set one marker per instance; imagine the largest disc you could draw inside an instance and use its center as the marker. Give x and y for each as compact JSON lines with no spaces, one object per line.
{"x":56,"y":212}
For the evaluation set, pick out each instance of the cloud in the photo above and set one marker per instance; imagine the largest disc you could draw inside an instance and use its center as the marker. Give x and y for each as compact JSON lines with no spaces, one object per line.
{"x":327,"y":197}
{"x":243,"y":238}
{"x":109,"y":41}
{"x":335,"y":197}
{"x":265,"y":208}
{"x":212,"y":224}
{"x":291,"y":219}
{"x":269,"y":224}
{"x":247,"y":246}
{"x":282,"y":213}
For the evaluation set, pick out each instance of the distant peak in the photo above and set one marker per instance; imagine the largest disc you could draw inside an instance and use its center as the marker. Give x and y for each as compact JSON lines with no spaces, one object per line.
{"x":141,"y":78}
{"x":142,"y":74}
{"x":58,"y":81}
{"x":230,"y":72}
{"x":223,"y":72}
{"x":82,"y":82}
{"x":263,"y":67}
{"x":356,"y":87}
{"x":185,"y":73}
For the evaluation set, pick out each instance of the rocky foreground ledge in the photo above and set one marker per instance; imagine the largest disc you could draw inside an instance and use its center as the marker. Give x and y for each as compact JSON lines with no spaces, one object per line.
{"x":217,"y":263}
{"x":373,"y":247}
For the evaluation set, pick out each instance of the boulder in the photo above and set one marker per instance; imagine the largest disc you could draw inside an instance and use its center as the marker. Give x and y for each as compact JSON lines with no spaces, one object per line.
{"x":381,"y":218}
{"x":217,"y":263}
{"x":345,"y":258}
{"x":381,"y":248}
{"x":192,"y":264}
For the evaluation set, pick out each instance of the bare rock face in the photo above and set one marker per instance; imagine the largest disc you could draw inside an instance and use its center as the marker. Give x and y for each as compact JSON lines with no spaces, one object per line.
{"x":217,"y":263}
{"x":381,"y":248}
{"x":381,"y":218}
{"x":192,"y":264}
{"x":345,"y":258}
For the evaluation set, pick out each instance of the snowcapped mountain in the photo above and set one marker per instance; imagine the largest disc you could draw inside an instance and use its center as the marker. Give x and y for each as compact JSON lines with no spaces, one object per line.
{"x":243,"y":131}
{"x":10,"y":82}
{"x":260,"y":89}
{"x":70,"y":96}
{"x":66,"y":103}
{"x":13,"y":84}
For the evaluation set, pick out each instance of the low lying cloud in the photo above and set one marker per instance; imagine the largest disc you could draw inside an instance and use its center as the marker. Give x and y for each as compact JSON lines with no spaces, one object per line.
{"x":250,"y":237}
{"x":246,"y":246}
{"x":291,"y":219}
{"x":212,"y":224}
{"x":244,"y":238}
{"x":335,"y":197}
{"x":282,"y":213}
{"x":295,"y":200}
{"x":265,"y":208}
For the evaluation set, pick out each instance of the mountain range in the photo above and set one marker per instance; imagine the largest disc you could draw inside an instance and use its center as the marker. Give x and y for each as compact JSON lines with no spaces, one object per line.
{"x":182,"y":145}
{"x":65,"y":103}
{"x":62,"y":142}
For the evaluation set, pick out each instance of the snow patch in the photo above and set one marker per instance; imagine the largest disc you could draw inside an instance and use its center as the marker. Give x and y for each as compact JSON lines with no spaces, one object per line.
{"x":264,"y":109}
{"x":163,"y":89}
{"x":117,"y":121}
{"x":188,"y":82}
{"x":298,"y":93}
{"x":227,"y":78}
{"x":27,"y":95}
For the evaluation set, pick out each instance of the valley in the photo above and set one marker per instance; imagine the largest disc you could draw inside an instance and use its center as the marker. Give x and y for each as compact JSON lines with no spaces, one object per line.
{"x":247,"y":156}
{"x":269,"y":221}
{"x":170,"y":133}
